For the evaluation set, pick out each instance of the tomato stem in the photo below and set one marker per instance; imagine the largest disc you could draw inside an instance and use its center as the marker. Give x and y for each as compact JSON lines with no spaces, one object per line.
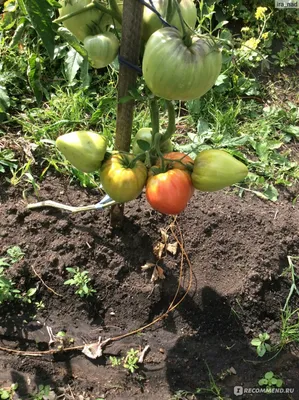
{"x":154,"y":113}
{"x":115,"y":8}
{"x":171,"y":122}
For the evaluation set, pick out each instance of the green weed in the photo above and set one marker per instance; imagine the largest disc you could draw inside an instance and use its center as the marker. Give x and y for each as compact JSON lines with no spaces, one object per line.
{"x":81,"y":281}
{"x":15,"y":254}
{"x":8,"y":393}
{"x":131,"y":361}
{"x":260,"y":343}
{"x":269,"y":380}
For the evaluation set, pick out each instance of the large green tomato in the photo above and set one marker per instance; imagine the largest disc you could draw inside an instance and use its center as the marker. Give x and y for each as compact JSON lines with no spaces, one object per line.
{"x":215,"y":169}
{"x":102,"y":49}
{"x":123,"y":180}
{"x":145,"y":134}
{"x":176,"y":71}
{"x":152,"y":23}
{"x":84,"y":149}
{"x":80,"y":24}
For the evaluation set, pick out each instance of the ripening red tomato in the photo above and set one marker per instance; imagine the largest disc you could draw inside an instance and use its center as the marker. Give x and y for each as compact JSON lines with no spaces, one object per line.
{"x":170,"y":191}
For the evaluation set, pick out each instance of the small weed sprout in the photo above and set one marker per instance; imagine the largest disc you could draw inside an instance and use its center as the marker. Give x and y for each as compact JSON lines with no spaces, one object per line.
{"x":15,"y":254}
{"x":7,"y":291}
{"x":131,"y":360}
{"x":8,"y":393}
{"x":43,"y":392}
{"x":260,"y":343}
{"x":115,"y":361}
{"x":81,"y":281}
{"x":269,"y":380}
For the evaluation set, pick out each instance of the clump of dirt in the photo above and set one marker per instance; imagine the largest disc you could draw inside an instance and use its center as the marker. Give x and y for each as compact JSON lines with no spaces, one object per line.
{"x":238,"y":249}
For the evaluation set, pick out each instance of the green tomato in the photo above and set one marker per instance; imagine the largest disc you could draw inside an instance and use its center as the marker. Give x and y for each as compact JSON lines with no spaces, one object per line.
{"x":145,"y":134}
{"x":84,"y":149}
{"x":189,"y":14}
{"x":176,"y":71}
{"x":102,"y":49}
{"x":215,"y":169}
{"x":80,"y":24}
{"x":122,"y":180}
{"x":152,"y":23}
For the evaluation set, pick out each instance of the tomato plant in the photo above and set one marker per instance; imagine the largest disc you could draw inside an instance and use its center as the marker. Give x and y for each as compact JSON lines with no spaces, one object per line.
{"x":176,"y":69}
{"x":102,"y":49}
{"x":170,"y":191}
{"x":215,"y":169}
{"x":84,"y":149}
{"x":123,"y":177}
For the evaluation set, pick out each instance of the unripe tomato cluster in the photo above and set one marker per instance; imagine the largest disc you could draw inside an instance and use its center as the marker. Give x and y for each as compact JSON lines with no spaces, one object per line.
{"x":177,"y":63}
{"x":169,"y":184}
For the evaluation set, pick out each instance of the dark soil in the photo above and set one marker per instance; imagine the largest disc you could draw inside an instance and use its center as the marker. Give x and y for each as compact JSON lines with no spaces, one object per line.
{"x":238,"y":249}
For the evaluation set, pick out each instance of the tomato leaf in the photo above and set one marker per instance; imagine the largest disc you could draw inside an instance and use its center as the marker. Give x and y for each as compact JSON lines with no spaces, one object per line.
{"x":38,"y":11}
{"x":72,"y":41}
{"x":143,"y":144}
{"x":72,"y":64}
{"x":84,"y":75}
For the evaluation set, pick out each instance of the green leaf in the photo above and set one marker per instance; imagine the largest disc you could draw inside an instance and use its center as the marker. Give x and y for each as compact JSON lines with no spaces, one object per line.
{"x":143,"y":144}
{"x":220,"y":25}
{"x":34,"y":74}
{"x":268,"y":347}
{"x":84,"y":74}
{"x":31,"y":292}
{"x":255,"y":342}
{"x":271,"y":193}
{"x":5,"y":394}
{"x":18,"y":33}
{"x":279,"y":383}
{"x":202,"y":127}
{"x":22,"y":6}
{"x":72,"y":64}
{"x":261,"y":350}
{"x":292,"y":130}
{"x":72,"y":41}
{"x":38,"y":11}
{"x":263,"y":382}
{"x":4,"y":99}
{"x":269,"y":375}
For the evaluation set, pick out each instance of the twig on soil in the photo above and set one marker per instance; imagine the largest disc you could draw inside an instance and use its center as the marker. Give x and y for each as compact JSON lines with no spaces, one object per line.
{"x":51,"y":336}
{"x":171,"y":307}
{"x":43,"y":282}
{"x":142,"y":354}
{"x":61,"y":206}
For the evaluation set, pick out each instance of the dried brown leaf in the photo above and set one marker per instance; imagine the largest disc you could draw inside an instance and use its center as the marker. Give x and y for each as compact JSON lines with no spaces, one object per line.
{"x":164,"y":235}
{"x":147,"y":266}
{"x":172,"y":248}
{"x":158,"y":250}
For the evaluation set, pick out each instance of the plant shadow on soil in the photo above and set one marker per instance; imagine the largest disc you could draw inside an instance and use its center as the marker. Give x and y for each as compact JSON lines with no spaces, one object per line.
{"x":238,"y":249}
